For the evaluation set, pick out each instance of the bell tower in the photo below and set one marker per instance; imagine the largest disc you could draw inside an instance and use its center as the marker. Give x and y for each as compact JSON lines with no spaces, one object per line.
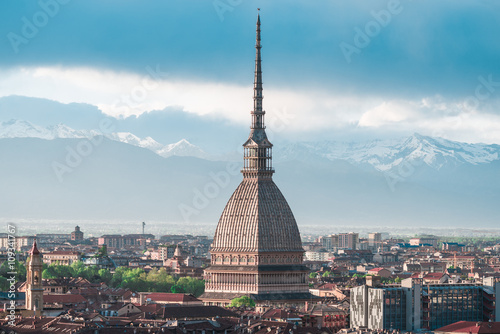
{"x":34,"y":288}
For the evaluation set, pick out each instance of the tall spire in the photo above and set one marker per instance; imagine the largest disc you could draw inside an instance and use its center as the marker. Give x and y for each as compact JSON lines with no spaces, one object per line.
{"x":258,"y":114}
{"x":258,"y":155}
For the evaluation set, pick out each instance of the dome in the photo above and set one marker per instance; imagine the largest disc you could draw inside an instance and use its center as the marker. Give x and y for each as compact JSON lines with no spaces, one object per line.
{"x":257,"y":218}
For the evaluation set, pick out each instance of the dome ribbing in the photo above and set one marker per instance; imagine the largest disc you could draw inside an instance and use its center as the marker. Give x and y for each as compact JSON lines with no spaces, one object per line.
{"x":257,"y":218}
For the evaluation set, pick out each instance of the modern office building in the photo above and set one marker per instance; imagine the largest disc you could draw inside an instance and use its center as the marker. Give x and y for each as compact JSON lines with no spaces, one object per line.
{"x":415,"y":305}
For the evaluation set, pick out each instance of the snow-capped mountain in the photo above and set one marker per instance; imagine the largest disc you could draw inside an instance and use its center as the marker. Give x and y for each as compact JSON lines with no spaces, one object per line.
{"x":129,"y":138}
{"x":389,"y":154}
{"x":182,"y":148}
{"x":23,"y":129}
{"x":325,"y":182}
{"x":382,"y":155}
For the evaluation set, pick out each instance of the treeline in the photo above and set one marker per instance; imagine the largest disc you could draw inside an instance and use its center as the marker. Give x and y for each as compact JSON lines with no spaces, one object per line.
{"x":123,"y":277}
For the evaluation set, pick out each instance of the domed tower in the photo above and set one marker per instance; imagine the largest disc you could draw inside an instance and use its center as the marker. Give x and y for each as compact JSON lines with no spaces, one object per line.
{"x":257,"y":250}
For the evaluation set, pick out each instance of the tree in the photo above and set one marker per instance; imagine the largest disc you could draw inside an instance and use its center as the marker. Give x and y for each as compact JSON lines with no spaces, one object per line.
{"x":313,"y":275}
{"x":191,"y":285}
{"x":105,"y":275}
{"x":19,"y":268}
{"x":177,"y":289}
{"x":242,"y":301}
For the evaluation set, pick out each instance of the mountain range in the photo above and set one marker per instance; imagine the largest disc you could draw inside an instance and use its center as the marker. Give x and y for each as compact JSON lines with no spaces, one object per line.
{"x":58,"y":172}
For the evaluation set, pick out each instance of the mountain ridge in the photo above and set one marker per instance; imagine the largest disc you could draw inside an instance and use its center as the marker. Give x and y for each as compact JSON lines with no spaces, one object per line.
{"x":387,"y":156}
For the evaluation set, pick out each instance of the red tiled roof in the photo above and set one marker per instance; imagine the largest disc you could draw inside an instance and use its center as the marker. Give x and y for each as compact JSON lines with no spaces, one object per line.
{"x":277,"y":314}
{"x":434,"y":276}
{"x":150,"y":308}
{"x":171,"y":297}
{"x":471,"y":327}
{"x":63,"y":299}
{"x":62,"y":253}
{"x":327,"y":286}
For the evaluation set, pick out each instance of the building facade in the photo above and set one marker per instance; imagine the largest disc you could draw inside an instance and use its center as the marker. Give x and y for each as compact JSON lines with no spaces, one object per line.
{"x":257,"y":250}
{"x":348,"y":240}
{"x":77,"y":235}
{"x":65,"y":258}
{"x":119,"y":241}
{"x":374,"y":239}
{"x":414,"y":305}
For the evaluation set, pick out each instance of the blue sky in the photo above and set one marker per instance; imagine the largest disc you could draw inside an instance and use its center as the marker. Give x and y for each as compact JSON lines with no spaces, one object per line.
{"x":417,"y":66}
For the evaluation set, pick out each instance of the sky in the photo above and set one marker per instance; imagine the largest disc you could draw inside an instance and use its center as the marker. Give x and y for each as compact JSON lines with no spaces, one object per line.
{"x":331,"y":69}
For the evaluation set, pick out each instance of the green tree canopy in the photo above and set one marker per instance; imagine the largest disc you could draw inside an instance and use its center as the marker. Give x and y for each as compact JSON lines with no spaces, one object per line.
{"x":242,"y":301}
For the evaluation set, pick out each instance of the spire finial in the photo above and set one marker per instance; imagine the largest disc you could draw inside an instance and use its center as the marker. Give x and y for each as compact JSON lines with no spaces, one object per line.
{"x":257,"y":96}
{"x":258,"y":156}
{"x":34,"y":250}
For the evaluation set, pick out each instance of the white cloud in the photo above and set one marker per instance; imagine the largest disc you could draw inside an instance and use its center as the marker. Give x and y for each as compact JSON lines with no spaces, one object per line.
{"x":387,"y":113}
{"x":290,"y":111}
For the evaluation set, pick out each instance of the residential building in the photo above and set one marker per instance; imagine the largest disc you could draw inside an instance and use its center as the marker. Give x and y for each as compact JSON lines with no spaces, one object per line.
{"x":330,"y":242}
{"x":382,"y":272}
{"x":348,"y":240}
{"x":424,"y":241}
{"x":374,"y":239}
{"x":120,"y":241}
{"x":65,"y":258}
{"x":318,"y":256}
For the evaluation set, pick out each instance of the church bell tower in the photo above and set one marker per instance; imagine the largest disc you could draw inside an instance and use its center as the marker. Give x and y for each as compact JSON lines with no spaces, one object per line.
{"x":34,"y":288}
